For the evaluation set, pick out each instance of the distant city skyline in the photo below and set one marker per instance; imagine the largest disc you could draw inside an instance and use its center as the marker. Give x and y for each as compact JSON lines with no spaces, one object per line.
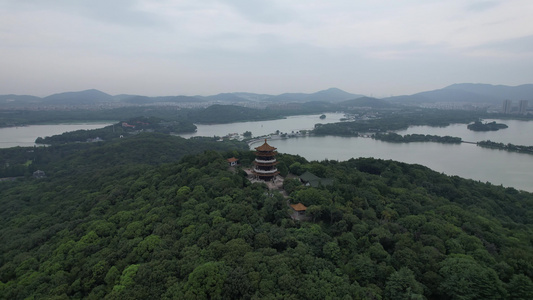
{"x":522,"y":106}
{"x":379,"y":48}
{"x":507,"y":106}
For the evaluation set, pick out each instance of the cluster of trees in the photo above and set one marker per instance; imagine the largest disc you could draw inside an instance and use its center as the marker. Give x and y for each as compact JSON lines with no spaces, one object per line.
{"x":143,"y":148}
{"x":219,"y":114}
{"x":27,"y":117}
{"x":491,"y":126}
{"x":410,"y":138}
{"x":193,"y":229}
{"x":398,"y":120}
{"x":215,"y":114}
{"x":507,"y":147}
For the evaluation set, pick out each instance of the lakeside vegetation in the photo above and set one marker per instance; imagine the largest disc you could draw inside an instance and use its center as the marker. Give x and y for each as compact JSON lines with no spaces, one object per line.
{"x":10,"y":118}
{"x":143,"y":148}
{"x":489,"y":126}
{"x":506,"y":147}
{"x":218,"y":114}
{"x":119,"y":130}
{"x":411,"y":138}
{"x":155,"y":216}
{"x":367,"y":119}
{"x":221,"y":114}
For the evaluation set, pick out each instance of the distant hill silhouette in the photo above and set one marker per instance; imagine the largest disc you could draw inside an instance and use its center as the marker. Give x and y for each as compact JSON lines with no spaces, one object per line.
{"x":461,"y":92}
{"x":16,"y":100}
{"x":470,"y":93}
{"x":329,"y":95}
{"x":521,"y":92}
{"x":84,"y":97}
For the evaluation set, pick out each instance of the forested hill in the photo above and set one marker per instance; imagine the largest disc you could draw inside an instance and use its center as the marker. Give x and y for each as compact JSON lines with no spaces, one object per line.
{"x":219,"y":114}
{"x":112,"y":227}
{"x":140,"y":149}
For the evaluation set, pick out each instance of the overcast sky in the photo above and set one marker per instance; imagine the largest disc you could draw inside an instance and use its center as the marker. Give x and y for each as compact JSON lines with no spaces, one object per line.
{"x":205,"y":47}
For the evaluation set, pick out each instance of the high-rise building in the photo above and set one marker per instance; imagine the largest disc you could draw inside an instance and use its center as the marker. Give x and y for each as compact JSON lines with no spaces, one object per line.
{"x":507,"y":104}
{"x":522,"y":108}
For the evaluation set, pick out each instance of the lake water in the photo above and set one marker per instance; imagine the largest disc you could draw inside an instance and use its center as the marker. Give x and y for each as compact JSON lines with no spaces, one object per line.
{"x":518,"y":133}
{"x":465,"y":160}
{"x":260,"y":128}
{"x":25,"y":136}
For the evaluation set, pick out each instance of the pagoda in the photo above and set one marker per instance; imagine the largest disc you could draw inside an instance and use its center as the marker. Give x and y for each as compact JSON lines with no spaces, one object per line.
{"x":265,"y":162}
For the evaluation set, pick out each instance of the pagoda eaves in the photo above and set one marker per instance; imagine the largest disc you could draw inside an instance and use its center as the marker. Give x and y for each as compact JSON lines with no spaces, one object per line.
{"x":265,"y":147}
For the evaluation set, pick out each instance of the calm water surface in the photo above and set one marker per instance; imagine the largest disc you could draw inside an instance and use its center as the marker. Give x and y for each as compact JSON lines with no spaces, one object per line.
{"x":518,"y":133}
{"x":26,"y":136}
{"x":259,"y":128}
{"x":465,"y":160}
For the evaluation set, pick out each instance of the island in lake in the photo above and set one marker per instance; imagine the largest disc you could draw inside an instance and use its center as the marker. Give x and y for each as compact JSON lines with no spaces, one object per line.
{"x":491,"y":126}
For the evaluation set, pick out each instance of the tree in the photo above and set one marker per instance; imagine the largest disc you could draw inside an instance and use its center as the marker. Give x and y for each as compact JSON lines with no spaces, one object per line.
{"x":126,"y":279}
{"x":315,"y":212}
{"x":238,"y":285}
{"x":111,"y":276}
{"x":403,"y":285}
{"x":313,"y":196}
{"x":332,"y":251}
{"x":520,"y":287}
{"x":464,"y":278}
{"x":206,"y":281}
{"x":296,"y":168}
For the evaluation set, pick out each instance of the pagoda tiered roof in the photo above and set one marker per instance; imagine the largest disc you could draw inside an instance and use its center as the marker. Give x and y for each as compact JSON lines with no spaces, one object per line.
{"x":265,"y":147}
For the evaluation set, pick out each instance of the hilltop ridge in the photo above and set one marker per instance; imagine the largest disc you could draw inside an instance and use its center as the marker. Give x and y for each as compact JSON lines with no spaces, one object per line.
{"x":456,"y":93}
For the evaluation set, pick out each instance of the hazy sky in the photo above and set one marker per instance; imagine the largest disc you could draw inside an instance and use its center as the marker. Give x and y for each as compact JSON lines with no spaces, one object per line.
{"x":204,"y":47}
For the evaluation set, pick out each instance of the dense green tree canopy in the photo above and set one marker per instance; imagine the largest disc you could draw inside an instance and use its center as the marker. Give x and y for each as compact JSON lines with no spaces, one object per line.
{"x":162,"y":217}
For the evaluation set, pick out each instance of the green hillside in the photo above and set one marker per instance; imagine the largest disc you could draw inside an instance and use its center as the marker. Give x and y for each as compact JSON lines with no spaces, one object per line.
{"x":159,"y":217}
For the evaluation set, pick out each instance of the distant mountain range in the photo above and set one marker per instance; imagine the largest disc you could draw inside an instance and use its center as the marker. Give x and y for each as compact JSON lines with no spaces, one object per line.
{"x":86,"y":97}
{"x":469,"y":93}
{"x":329,"y":95}
{"x":94,"y":97}
{"x":456,"y":93}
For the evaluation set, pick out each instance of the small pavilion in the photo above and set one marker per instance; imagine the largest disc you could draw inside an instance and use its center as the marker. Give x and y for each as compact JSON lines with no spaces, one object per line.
{"x":299,"y":208}
{"x":232,"y":161}
{"x":265,"y":162}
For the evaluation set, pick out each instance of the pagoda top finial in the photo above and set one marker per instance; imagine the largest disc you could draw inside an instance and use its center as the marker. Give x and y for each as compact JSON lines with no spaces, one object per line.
{"x":265,"y":147}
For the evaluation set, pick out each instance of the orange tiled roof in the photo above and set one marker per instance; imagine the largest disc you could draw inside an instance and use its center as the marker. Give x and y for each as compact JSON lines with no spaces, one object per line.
{"x":298,"y":207}
{"x":233,"y":159}
{"x":265,"y":147}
